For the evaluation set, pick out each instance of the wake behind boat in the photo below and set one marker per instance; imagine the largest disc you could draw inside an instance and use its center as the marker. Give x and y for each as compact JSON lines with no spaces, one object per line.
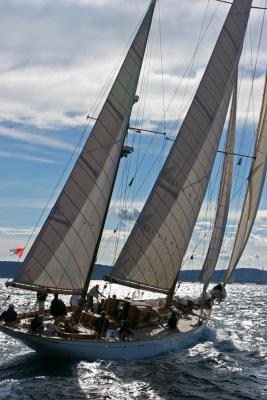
{"x":63,"y":256}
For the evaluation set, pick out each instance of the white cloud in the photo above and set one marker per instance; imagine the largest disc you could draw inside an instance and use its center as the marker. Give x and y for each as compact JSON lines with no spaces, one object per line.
{"x":25,"y":202}
{"x":51,"y":65}
{"x":258,"y":239}
{"x":39,"y":139}
{"x":18,"y":156}
{"x":59,"y":55}
{"x":14,"y":231}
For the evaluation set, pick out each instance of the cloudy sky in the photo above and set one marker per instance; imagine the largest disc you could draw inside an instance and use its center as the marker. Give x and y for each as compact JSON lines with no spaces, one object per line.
{"x":57,"y":63}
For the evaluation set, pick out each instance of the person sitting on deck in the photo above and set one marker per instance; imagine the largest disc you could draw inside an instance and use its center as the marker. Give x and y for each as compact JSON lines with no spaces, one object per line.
{"x":41,"y":296}
{"x":101,"y":325}
{"x":10,"y":315}
{"x":58,"y":309}
{"x":172,"y":321}
{"x":37,"y":325}
{"x":124,"y":332}
{"x":93,"y":293}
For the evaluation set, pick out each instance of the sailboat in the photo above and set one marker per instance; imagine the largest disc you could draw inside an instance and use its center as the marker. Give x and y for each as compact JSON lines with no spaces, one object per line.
{"x":63,"y":256}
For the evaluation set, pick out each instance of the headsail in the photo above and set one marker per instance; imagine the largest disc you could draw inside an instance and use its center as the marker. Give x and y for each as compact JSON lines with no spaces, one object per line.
{"x":62,"y":252}
{"x":223,"y":199}
{"x":254,"y":189}
{"x":154,"y":252}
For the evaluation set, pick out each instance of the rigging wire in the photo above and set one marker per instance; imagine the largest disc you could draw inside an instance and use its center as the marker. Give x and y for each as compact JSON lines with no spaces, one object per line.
{"x":205,"y":235}
{"x":126,"y":208}
{"x":109,"y":216}
{"x":123,"y":197}
{"x":255,"y":7}
{"x":242,"y":186}
{"x":163,"y":93}
{"x":188,"y":68}
{"x":76,"y":151}
{"x":249,"y":101}
{"x":222,"y":262}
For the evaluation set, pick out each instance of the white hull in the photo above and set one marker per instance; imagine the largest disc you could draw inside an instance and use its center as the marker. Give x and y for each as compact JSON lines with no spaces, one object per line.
{"x":107,"y":350}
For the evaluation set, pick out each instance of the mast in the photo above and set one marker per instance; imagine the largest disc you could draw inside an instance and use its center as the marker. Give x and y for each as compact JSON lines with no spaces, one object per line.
{"x":154,"y":251}
{"x":254,"y":189}
{"x":77,"y":314}
{"x":223,"y":199}
{"x":64,"y":252}
{"x":147,"y":22}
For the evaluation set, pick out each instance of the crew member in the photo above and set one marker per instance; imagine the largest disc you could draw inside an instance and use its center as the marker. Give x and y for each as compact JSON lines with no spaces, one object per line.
{"x":101,"y":325}
{"x":93,"y":293}
{"x":172,"y":321}
{"x":41,"y":296}
{"x":37,"y":325}
{"x":10,"y":315}
{"x":58,"y":309}
{"x":124,"y":332}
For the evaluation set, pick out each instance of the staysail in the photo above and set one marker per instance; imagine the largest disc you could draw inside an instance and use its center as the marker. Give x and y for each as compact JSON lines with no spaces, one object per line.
{"x":223,"y":199}
{"x":155,"y":249}
{"x":63,"y":250}
{"x":254,"y":189}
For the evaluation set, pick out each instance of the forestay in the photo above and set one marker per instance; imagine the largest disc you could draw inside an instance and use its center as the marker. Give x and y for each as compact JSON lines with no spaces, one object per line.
{"x":223,"y":199}
{"x":62,"y":252}
{"x":156,"y":246}
{"x":254,"y":189}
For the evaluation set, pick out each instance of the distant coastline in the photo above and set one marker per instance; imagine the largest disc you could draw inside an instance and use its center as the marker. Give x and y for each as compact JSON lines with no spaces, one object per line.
{"x":241,"y":275}
{"x":9,"y":268}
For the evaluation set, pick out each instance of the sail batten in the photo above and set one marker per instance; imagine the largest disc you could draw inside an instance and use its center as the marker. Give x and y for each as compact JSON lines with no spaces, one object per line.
{"x":254,"y":190}
{"x":223,"y":199}
{"x":64,"y":248}
{"x":156,"y":247}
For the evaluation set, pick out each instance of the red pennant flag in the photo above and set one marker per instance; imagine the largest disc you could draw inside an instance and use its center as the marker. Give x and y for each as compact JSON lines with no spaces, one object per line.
{"x":19,"y":251}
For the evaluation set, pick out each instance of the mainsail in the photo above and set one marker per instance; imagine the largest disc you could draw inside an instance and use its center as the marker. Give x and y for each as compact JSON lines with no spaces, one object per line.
{"x":254,"y":189}
{"x":64,"y":249}
{"x":223,"y":199}
{"x":155,"y":249}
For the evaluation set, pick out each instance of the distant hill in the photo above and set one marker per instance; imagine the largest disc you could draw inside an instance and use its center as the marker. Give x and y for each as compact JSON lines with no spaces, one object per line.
{"x":241,"y":275}
{"x":8,"y":268}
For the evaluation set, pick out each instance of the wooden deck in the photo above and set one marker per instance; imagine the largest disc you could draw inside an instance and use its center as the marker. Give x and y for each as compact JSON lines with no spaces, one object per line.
{"x":152,"y":330}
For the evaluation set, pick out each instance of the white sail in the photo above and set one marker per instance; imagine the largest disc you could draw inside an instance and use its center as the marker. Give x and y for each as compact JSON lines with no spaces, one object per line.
{"x":254,"y":189}
{"x":63,"y":251}
{"x":154,"y":252}
{"x":223,"y":199}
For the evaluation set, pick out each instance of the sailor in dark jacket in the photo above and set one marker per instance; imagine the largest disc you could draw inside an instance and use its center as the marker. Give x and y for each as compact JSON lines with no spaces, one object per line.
{"x":101,"y":325}
{"x":58,"y":308}
{"x":37,"y":325}
{"x":172,"y":321}
{"x":9,"y":315}
{"x":124,"y":332}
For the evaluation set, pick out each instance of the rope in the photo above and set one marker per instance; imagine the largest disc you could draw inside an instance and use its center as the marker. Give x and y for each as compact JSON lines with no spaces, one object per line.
{"x":188,"y":71}
{"x":243,"y":184}
{"x":5,"y":301}
{"x":229,"y":2}
{"x":84,"y":129}
{"x":186,"y":260}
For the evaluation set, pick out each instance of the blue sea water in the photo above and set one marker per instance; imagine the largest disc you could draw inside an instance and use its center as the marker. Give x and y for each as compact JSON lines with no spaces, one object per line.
{"x":230,"y":362}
